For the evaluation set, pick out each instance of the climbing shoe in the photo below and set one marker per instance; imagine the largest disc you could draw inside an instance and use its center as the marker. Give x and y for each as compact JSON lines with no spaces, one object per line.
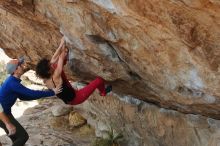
{"x":108,"y":89}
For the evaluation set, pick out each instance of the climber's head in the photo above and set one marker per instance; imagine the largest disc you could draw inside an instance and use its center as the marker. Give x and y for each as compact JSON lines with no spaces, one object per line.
{"x":43,"y":69}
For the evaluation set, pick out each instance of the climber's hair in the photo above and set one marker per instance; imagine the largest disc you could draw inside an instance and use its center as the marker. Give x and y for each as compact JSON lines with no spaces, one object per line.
{"x":43,"y":69}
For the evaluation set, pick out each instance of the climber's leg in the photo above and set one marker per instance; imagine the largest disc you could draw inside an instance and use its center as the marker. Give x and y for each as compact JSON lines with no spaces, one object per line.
{"x":84,"y":93}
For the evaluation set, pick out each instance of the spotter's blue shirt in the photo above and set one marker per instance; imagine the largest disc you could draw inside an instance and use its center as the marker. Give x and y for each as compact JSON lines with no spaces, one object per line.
{"x":12,"y":89}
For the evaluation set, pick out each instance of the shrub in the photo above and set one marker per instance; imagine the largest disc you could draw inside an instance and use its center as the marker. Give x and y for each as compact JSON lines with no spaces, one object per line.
{"x":113,"y":138}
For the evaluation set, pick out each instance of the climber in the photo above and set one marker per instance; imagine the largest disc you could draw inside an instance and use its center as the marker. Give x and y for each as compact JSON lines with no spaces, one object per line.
{"x":53,"y":75}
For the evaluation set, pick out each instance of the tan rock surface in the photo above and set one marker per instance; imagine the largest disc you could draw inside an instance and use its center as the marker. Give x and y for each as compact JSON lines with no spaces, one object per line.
{"x":76,"y":120}
{"x":144,"y":124}
{"x":165,"y":52}
{"x":46,"y":130}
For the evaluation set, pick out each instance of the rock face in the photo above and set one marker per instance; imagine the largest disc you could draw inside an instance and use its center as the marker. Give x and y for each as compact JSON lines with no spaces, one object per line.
{"x":144,"y":124}
{"x":163,"y":52}
{"x":76,"y":119}
{"x":45,"y":129}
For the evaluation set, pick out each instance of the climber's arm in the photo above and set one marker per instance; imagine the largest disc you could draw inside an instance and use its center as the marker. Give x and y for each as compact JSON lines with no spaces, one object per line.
{"x":60,"y":64}
{"x":56,"y":55}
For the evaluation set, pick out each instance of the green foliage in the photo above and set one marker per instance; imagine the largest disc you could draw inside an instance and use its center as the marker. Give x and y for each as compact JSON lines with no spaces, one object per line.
{"x":102,"y":142}
{"x":113,"y":138}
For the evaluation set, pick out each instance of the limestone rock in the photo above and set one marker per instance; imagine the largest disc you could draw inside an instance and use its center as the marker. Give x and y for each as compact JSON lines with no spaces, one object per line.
{"x":76,"y":120}
{"x":23,"y":2}
{"x":145,"y":124}
{"x":60,"y":122}
{"x":46,"y":130}
{"x":164,"y":52}
{"x":61,"y":110}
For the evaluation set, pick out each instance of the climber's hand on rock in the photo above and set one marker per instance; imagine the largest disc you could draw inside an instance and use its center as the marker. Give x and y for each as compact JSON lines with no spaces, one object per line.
{"x":58,"y":89}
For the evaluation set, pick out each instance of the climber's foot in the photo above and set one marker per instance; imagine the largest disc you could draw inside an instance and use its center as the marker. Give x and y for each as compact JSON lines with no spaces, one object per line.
{"x":108,"y":89}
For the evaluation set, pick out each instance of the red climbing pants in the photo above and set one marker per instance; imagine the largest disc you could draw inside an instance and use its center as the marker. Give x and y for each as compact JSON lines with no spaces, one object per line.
{"x":82,"y":94}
